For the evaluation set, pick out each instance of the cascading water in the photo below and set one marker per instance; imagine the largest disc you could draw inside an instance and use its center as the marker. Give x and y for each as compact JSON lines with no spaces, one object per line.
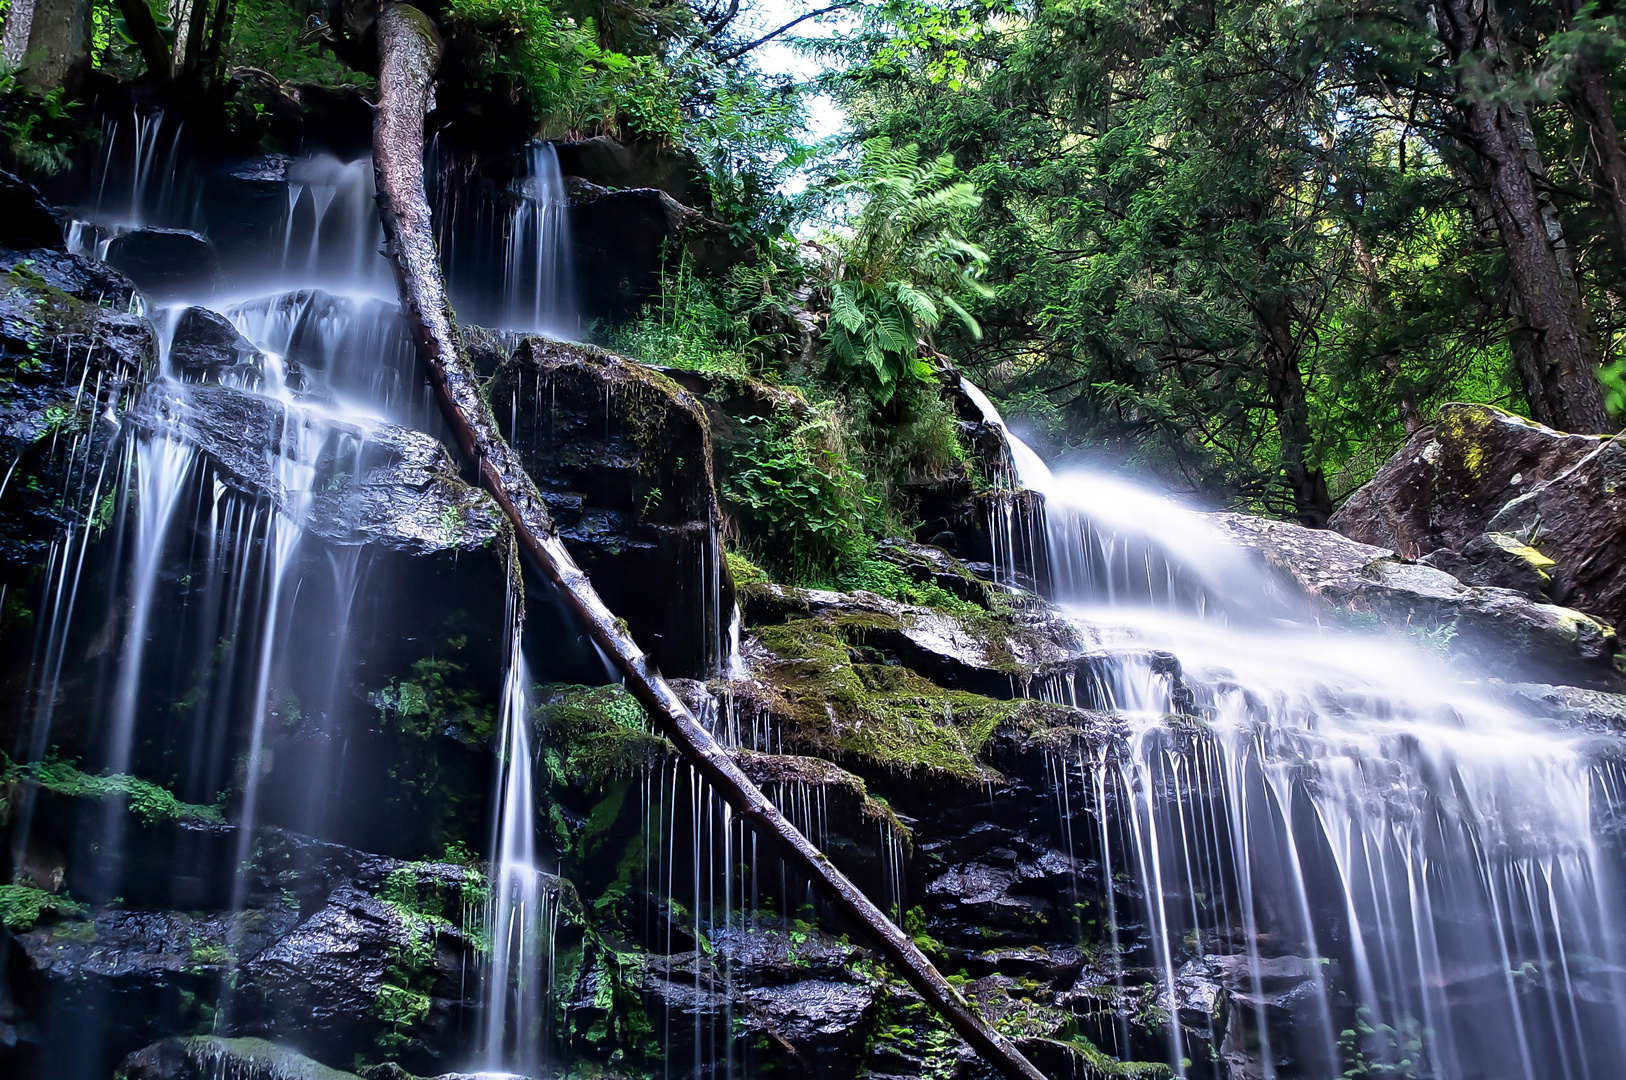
{"x":524,"y":905}
{"x":265,"y":632}
{"x":1327,"y":812}
{"x":541,"y":284}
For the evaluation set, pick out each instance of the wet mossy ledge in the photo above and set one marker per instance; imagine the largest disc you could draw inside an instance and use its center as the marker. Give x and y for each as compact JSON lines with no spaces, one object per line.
{"x":147,"y":801}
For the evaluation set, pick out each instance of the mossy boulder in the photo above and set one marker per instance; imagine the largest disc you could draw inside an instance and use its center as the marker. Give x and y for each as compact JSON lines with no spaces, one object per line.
{"x":1499,"y":501}
{"x":1441,"y":489}
{"x":204,"y":1057}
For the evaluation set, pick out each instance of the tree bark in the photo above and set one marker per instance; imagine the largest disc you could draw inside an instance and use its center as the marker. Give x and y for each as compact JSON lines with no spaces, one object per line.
{"x":409,"y":50}
{"x":51,"y":40}
{"x":138,"y":19}
{"x":1600,"y":117}
{"x":1290,"y":402}
{"x":1559,"y":368}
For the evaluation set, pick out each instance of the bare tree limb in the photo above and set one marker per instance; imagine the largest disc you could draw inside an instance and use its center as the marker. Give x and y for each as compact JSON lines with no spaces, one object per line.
{"x":735,"y":54}
{"x":409,"y":50}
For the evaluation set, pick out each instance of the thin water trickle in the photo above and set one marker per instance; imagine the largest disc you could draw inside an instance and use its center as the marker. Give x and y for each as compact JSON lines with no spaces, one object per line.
{"x":524,"y":906}
{"x":540,"y":280}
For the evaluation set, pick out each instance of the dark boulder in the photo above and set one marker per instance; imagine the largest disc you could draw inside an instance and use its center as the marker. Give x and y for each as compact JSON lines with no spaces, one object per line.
{"x":164,"y":262}
{"x":1498,"y":500}
{"x":1499,"y":561}
{"x":623,"y":457}
{"x":343,"y":951}
{"x":144,"y":974}
{"x":26,"y":219}
{"x":82,"y":278}
{"x":1442,"y":488}
{"x":1578,"y":520}
{"x":622,"y":240}
{"x":635,"y":163}
{"x":206,"y":347}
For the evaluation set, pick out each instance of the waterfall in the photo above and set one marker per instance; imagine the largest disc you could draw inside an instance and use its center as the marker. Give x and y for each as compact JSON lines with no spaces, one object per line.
{"x":1419,"y":860}
{"x":334,"y":237}
{"x":524,"y":906}
{"x":540,"y":285}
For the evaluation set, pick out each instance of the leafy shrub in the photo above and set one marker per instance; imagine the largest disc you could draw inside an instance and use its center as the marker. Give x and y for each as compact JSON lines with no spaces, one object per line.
{"x":36,"y":131}
{"x":148,"y":801}
{"x":795,"y":495}
{"x":21,"y":906}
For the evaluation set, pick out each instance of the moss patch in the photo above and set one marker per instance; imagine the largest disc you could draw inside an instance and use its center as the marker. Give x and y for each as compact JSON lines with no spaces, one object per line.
{"x":22,"y":906}
{"x":835,"y":702}
{"x":595,"y":733}
{"x":151,"y":803}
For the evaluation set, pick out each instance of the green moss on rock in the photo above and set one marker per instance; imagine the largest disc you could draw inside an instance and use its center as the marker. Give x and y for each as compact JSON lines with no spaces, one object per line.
{"x":151,"y":803}
{"x":876,"y":713}
{"x":22,"y":906}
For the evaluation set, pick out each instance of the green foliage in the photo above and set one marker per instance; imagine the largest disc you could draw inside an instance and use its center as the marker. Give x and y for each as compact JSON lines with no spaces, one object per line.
{"x":732,"y":325}
{"x":867,"y":571}
{"x":22,"y":906}
{"x":429,"y":903}
{"x":151,"y":803}
{"x":37,"y":131}
{"x":800,"y":505}
{"x":438,"y":698}
{"x":548,"y":60}
{"x":1381,"y":1052}
{"x":266,"y":34}
{"x":1184,"y":217}
{"x":904,"y":265}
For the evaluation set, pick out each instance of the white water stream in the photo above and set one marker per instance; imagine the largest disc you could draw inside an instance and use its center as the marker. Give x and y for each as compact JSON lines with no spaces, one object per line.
{"x":1413,"y":867}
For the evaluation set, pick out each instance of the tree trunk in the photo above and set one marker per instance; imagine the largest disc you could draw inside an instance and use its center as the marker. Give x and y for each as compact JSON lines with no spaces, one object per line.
{"x":1290,"y":402}
{"x":409,"y":51}
{"x":1611,"y":176}
{"x":1560,"y":368}
{"x":51,"y":39}
{"x":138,"y":19}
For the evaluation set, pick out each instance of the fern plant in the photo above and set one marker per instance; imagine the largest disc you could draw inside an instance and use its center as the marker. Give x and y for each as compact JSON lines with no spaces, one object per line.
{"x":903,"y":266}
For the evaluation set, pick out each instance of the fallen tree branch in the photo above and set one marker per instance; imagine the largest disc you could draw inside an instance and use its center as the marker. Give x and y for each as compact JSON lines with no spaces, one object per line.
{"x":409,"y":50}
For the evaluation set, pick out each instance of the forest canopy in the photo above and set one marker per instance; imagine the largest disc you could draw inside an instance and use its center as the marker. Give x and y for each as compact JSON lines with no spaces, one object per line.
{"x":1246,"y":247}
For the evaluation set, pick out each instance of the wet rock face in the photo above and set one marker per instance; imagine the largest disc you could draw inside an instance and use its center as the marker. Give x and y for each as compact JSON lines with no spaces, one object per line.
{"x":1501,"y":501}
{"x":783,"y":999}
{"x":29,"y":221}
{"x":1491,"y":625}
{"x":635,"y":163}
{"x":334,"y":950}
{"x":379,"y":484}
{"x":71,"y":353}
{"x":623,"y":458}
{"x":621,"y":239}
{"x":164,"y":262}
{"x":206,"y":346}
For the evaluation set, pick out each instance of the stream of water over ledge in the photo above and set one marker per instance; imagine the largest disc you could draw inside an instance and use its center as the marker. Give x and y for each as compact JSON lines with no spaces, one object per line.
{"x":307,"y":755}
